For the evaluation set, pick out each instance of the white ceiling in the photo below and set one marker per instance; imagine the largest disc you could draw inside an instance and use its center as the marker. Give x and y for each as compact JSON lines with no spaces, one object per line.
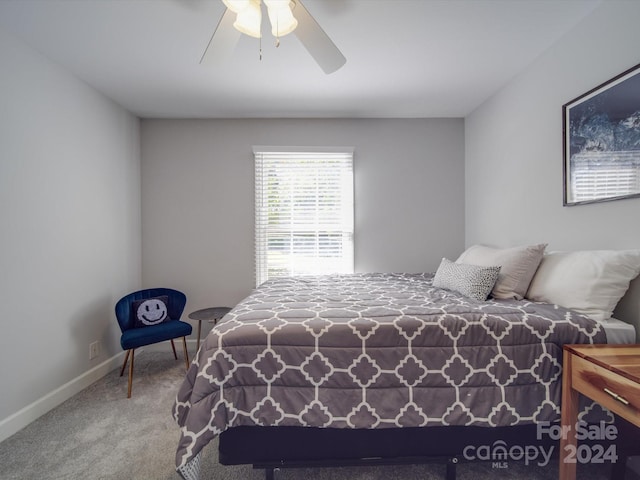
{"x":405,"y":58}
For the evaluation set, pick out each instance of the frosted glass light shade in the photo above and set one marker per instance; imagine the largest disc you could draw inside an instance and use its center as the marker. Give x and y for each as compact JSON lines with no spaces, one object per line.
{"x":236,"y":6}
{"x":282,"y":20}
{"x":248,"y":21}
{"x":277,"y":3}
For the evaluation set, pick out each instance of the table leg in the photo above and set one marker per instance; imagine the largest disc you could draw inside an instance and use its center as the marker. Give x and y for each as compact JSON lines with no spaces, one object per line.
{"x":569,"y":417}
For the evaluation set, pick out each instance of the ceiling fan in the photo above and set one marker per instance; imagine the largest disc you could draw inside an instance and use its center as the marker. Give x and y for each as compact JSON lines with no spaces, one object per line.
{"x":245,"y":16}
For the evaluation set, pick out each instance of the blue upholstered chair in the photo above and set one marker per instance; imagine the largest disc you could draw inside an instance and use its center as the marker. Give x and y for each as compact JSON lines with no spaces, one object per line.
{"x":151,"y":316}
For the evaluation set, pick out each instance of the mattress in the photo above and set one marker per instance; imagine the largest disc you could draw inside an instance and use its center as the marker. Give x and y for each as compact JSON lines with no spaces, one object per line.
{"x":619,"y":332}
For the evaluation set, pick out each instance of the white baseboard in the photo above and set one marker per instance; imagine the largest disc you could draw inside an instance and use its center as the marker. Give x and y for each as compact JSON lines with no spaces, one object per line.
{"x":28,"y":414}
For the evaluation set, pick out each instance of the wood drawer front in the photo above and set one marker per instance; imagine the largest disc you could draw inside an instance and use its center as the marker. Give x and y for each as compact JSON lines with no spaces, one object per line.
{"x":592,"y":380}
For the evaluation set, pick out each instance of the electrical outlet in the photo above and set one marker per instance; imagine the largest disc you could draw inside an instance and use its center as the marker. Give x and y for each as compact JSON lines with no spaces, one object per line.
{"x":94,"y":350}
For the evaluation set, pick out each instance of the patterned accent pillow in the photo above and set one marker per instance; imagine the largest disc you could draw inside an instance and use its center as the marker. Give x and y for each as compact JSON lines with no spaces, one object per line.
{"x":473,"y":281}
{"x":150,"y":311}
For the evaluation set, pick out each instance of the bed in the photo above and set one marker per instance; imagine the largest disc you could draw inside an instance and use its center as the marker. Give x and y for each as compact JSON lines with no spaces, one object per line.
{"x":341,"y":368}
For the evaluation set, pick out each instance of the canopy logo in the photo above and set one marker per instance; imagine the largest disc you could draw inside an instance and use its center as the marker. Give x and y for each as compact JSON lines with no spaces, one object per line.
{"x":499,"y":453}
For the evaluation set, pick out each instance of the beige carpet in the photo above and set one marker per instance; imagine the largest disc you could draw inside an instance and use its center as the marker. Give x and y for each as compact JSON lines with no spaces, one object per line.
{"x":100,"y":434}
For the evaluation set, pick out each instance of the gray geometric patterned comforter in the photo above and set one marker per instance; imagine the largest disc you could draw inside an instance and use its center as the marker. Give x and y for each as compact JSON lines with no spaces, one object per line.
{"x":374,"y":351}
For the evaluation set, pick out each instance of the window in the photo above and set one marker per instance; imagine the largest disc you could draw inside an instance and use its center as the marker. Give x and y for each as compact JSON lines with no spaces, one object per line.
{"x":304,"y":212}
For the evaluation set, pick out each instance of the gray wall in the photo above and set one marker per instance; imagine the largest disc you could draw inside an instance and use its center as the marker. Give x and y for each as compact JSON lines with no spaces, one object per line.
{"x":197,"y":197}
{"x":513,"y":147}
{"x":70,"y":216}
{"x":75,"y":236}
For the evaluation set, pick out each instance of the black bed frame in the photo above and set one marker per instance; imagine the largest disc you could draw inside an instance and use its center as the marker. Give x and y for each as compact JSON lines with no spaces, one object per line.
{"x":274,"y":448}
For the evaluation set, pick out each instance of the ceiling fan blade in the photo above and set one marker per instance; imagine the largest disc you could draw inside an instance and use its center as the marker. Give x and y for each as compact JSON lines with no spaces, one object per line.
{"x":316,"y":41}
{"x":223,"y":41}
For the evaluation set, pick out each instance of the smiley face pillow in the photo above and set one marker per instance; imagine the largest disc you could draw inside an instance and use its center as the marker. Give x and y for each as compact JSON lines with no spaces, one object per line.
{"x":151,"y":311}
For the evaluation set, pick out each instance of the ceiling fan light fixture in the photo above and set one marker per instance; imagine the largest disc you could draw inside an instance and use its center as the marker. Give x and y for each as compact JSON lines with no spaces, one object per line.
{"x":249,"y":20}
{"x":236,"y":6}
{"x":281,"y":17}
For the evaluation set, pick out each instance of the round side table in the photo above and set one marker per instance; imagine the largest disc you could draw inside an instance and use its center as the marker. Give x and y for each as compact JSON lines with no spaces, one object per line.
{"x":212,"y":314}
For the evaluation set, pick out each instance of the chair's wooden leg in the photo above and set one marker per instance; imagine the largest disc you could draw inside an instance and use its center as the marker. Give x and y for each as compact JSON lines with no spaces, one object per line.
{"x":173,"y":345}
{"x":133,"y":352}
{"x":186,"y":352}
{"x":124,"y":364}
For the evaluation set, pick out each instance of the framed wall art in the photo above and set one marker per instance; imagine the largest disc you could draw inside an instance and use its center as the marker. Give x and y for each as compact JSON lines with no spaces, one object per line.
{"x":601,"y":142}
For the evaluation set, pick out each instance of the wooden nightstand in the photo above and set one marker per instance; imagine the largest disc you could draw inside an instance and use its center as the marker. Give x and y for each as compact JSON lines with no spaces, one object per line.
{"x":608,"y":374}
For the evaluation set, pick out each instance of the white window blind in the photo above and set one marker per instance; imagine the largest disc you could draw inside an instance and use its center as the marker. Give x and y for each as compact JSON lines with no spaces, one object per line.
{"x":597,"y":175}
{"x":304,"y":213}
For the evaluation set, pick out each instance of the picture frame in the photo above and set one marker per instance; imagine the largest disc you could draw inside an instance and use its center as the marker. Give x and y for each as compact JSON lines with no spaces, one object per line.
{"x":601,"y":142}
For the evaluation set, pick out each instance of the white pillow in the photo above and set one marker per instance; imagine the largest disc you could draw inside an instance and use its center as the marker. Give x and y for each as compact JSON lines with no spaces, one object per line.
{"x":472,"y":281}
{"x":518,"y":265}
{"x":588,"y":282}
